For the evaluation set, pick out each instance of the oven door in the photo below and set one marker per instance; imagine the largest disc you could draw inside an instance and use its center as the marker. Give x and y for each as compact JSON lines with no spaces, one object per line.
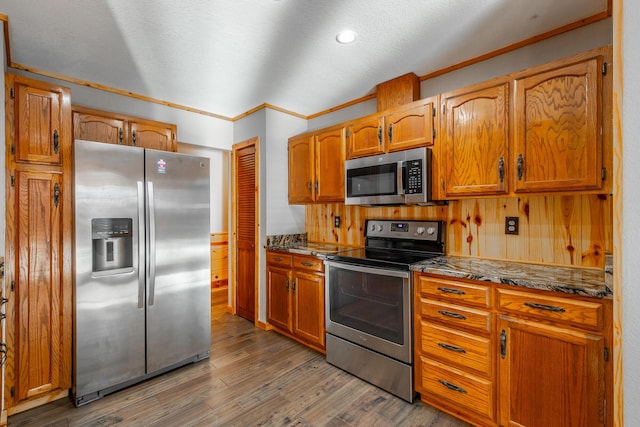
{"x":370,"y":307}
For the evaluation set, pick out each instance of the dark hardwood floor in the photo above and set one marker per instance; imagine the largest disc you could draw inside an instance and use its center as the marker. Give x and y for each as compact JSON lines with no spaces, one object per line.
{"x":253,"y":378}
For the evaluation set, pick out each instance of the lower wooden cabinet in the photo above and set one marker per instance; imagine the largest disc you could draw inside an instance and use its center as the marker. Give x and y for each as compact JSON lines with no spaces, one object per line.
{"x":295,"y":297}
{"x":497,"y":355}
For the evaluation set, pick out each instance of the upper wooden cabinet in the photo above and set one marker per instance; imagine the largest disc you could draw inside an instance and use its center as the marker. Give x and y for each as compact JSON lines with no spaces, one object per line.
{"x":400,"y":128}
{"x":545,"y":129}
{"x":316,"y":166}
{"x":329,"y":151}
{"x":475,"y":148}
{"x":558,"y":127}
{"x":42,"y":112}
{"x":301,"y":169}
{"x":112,"y":128}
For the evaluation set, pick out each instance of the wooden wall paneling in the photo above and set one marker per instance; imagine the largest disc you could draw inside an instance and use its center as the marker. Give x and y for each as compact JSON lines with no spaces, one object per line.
{"x":538,"y":221}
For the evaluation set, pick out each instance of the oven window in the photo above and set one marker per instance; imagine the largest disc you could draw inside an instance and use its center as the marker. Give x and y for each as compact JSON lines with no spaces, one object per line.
{"x":368,"y":302}
{"x":372,"y":181}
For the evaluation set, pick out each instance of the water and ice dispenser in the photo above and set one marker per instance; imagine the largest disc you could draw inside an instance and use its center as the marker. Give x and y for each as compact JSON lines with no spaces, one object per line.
{"x":112,"y":249}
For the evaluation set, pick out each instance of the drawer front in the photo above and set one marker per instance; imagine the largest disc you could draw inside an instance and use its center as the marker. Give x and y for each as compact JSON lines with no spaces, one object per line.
{"x":459,"y":292}
{"x":565,"y":310}
{"x":279,"y":258}
{"x":458,"y":348}
{"x":470,"y":392}
{"x":452,"y":314}
{"x":308,"y":263}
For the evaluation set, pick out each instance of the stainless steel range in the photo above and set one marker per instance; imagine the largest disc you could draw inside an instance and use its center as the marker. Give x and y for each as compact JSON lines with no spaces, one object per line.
{"x":369,"y":310}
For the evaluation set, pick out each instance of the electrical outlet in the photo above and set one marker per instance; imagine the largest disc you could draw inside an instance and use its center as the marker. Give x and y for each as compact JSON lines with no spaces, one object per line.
{"x":511,"y":225}
{"x":336,"y":222}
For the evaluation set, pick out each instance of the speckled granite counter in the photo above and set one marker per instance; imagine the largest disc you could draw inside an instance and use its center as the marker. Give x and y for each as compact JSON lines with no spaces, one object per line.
{"x":578,"y":281}
{"x":297,"y":243}
{"x":1,"y":268}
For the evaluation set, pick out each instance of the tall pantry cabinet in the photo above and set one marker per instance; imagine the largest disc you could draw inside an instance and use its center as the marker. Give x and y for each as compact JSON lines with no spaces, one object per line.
{"x":38,"y":243}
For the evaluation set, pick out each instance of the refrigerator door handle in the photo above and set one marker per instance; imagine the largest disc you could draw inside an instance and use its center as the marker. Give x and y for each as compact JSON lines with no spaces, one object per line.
{"x":152,"y":243}
{"x":141,"y":246}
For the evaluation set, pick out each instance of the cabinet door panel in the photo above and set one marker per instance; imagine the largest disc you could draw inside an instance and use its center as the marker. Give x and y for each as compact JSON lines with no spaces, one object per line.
{"x":476,"y":142}
{"x":40,"y":122}
{"x":558,"y":140}
{"x":330,"y":153}
{"x":308,"y":304}
{"x":366,"y":137}
{"x":91,"y":127}
{"x":301,"y":170}
{"x":278,"y":294}
{"x":550,"y":376}
{"x":39,"y":340}
{"x":410,"y":127}
{"x":152,"y":135}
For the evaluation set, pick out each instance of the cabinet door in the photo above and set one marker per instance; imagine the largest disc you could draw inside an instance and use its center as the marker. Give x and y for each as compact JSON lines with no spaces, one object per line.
{"x":549,"y":376}
{"x":301,"y":170}
{"x":366,"y":137}
{"x":308,"y":306}
{"x":42,"y":116}
{"x":558,"y":140}
{"x":91,"y":127}
{"x":155,"y":135}
{"x":278,"y":300}
{"x":410,"y":127}
{"x":476,"y":138}
{"x":39,"y":335}
{"x":329,"y":151}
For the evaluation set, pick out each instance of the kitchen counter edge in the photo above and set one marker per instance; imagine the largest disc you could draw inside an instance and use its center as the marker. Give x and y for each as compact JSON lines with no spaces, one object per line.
{"x":571,"y":280}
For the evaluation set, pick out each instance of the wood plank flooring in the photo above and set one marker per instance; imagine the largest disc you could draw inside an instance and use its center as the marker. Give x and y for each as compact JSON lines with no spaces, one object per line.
{"x":253,"y":378}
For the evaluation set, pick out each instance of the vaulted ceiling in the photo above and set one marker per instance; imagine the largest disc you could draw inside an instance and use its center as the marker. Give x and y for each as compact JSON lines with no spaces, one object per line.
{"x":226,"y":57}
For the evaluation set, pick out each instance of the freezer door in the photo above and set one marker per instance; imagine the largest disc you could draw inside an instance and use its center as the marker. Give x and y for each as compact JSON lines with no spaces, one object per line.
{"x":109,"y":283}
{"x":178,"y":250}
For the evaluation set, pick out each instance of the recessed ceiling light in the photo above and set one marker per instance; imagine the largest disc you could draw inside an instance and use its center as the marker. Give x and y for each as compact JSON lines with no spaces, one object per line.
{"x":346,"y":36}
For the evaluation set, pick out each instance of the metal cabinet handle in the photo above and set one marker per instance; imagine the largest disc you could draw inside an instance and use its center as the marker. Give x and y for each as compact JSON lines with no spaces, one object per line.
{"x":134,"y":138}
{"x":452,"y":386}
{"x":56,"y":194}
{"x":307,"y":264}
{"x":451,"y":347}
{"x":452,"y":314}
{"x":501,"y":169}
{"x":451,"y":291}
{"x":503,"y":344}
{"x":120,"y":136}
{"x":379,"y":135}
{"x":520,"y":167}
{"x":277,"y":258}
{"x":56,"y":141}
{"x":286,"y":284}
{"x":553,"y":308}
{"x":390,"y":132}
{"x":293,"y":287}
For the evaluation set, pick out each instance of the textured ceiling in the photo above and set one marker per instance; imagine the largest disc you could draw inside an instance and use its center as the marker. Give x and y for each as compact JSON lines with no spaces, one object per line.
{"x":228,"y":56}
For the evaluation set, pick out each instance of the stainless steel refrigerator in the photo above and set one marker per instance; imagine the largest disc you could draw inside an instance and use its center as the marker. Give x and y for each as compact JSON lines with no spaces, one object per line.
{"x":142,"y":265}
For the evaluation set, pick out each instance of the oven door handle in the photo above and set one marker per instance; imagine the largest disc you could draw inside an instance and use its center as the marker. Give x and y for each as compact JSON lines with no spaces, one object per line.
{"x":367,"y":269}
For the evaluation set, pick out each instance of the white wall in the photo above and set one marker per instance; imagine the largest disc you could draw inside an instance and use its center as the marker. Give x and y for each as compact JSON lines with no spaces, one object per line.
{"x":630,"y":225}
{"x":282,"y":218}
{"x":219,"y":167}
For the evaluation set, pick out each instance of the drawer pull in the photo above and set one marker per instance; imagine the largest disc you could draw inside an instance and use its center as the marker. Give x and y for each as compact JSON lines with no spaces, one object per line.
{"x":307,"y":264}
{"x":452,"y":314}
{"x":277,"y":258}
{"x":503,"y":344}
{"x":553,"y":308}
{"x":452,"y":386}
{"x":451,"y":291}
{"x":451,"y":347}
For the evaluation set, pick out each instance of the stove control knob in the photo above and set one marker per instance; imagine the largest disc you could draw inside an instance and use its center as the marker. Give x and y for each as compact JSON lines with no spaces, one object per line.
{"x":431,"y":231}
{"x":380,"y":228}
{"x":372,"y":227}
{"x":420,"y":230}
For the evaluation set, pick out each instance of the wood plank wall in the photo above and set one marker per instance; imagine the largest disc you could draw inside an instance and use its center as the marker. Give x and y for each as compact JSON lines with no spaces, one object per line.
{"x":557,"y":230}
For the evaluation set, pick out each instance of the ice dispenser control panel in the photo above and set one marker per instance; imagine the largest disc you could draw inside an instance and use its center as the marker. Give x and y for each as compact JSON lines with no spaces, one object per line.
{"x":112,"y":249}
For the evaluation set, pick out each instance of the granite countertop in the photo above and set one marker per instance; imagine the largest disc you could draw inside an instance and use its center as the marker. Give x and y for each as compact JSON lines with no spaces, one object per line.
{"x":308,"y":248}
{"x":571,"y":280}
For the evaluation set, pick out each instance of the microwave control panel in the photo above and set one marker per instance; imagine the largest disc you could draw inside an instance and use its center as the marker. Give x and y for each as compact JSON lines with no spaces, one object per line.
{"x":413,"y":177}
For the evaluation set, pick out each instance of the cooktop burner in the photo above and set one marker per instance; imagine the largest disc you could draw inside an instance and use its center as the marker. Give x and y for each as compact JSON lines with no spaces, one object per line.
{"x":396,"y":244}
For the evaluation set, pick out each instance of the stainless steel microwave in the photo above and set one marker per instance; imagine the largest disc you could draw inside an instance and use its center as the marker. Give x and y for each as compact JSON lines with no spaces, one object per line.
{"x":398,"y":178}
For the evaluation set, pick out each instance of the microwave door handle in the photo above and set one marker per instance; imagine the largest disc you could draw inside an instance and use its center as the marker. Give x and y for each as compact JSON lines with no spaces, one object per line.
{"x":402,"y":177}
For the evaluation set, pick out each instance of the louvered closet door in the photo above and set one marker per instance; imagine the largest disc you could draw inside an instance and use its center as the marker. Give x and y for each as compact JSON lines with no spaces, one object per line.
{"x":246,"y":231}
